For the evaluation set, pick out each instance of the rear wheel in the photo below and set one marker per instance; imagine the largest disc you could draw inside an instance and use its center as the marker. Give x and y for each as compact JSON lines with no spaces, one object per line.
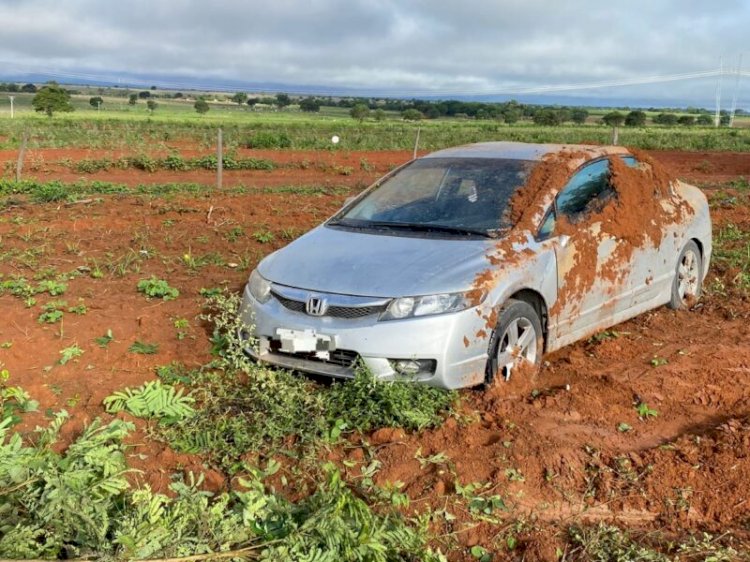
{"x":518,"y":340}
{"x":687,"y":284}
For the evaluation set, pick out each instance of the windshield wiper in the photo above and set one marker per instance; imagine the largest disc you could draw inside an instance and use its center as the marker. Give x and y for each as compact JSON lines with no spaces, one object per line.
{"x":416,"y":227}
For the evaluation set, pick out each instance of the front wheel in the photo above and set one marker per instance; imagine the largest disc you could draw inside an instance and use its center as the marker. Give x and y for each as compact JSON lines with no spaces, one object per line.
{"x":517,"y":340}
{"x":688,"y":279}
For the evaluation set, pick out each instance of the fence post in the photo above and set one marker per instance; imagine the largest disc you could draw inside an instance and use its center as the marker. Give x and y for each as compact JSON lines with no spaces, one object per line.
{"x":21,"y":153}
{"x":219,"y":160}
{"x":416,"y":144}
{"x":615,"y":135}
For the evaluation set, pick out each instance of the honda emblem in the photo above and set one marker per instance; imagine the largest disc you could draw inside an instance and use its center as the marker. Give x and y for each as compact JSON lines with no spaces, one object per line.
{"x":316,"y":306}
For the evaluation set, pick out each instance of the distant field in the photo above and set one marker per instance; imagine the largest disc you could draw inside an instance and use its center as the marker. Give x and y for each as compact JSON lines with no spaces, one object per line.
{"x":121,"y":126}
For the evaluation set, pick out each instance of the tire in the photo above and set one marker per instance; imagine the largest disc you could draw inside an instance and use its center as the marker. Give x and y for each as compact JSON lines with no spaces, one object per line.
{"x":688,"y":278}
{"x":518,"y":320}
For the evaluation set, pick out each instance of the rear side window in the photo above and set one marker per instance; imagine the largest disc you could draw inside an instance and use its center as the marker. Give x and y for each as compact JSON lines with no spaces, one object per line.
{"x":586,"y":191}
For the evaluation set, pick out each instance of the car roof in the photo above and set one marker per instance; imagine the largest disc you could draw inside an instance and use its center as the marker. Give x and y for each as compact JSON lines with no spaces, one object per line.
{"x":522,"y":150}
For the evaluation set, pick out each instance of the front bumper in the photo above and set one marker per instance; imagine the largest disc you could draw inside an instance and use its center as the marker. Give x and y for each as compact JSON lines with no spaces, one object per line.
{"x":457,"y":342}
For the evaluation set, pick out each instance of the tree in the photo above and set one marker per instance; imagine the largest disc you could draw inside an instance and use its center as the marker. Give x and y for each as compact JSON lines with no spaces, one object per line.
{"x":252,"y":102}
{"x":579,"y":116}
{"x":666,"y":119}
{"x":547,"y":117}
{"x":96,"y":101}
{"x":686,"y":120}
{"x":145,"y":94}
{"x":178,"y":95}
{"x":51,"y":98}
{"x":201,"y":106}
{"x":282,"y":100}
{"x":133,"y":99}
{"x":635,"y":118}
{"x":310,"y":105}
{"x":239,"y":98}
{"x":411,"y":115}
{"x":724,"y":118}
{"x":360,"y":112}
{"x":152,"y":105}
{"x":613,"y":119}
{"x":379,"y":115}
{"x":28,"y":88}
{"x":705,"y":119}
{"x":511,"y":115}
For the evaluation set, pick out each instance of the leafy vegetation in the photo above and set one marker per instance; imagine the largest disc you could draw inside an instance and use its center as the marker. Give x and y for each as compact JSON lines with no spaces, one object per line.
{"x":241,"y":406}
{"x":157,"y":288}
{"x":80,"y":503}
{"x":152,"y":400}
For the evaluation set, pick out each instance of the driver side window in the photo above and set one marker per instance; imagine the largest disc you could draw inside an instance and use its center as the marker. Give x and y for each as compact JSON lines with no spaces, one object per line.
{"x":587,"y":191}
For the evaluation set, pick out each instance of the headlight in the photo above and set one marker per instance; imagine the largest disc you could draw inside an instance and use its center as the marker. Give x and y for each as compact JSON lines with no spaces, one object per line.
{"x":259,"y":287}
{"x":409,"y":307}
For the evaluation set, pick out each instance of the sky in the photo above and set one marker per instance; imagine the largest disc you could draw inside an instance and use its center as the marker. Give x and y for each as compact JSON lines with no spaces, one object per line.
{"x":408,"y":48}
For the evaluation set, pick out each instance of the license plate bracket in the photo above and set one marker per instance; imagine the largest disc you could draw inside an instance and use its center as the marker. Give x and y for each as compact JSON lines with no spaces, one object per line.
{"x":304,"y":341}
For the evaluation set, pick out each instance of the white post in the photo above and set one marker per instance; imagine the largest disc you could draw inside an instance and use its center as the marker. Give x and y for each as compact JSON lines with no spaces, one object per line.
{"x":11,"y":106}
{"x":717,"y":116}
{"x":736,"y":91}
{"x":416,"y":144}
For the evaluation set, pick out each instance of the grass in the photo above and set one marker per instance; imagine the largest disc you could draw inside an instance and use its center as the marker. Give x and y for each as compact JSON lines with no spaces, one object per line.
{"x":53,"y":191}
{"x":132,"y":130}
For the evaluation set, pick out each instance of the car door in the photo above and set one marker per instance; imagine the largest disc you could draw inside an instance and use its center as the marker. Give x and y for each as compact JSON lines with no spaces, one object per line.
{"x":592,"y":287}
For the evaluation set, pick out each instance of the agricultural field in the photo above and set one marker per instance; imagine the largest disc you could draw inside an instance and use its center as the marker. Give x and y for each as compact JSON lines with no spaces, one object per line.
{"x":133,"y":427}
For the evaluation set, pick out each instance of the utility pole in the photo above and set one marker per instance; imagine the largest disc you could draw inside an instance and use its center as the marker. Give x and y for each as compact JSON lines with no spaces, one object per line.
{"x":717,"y":117}
{"x":11,"y":105}
{"x":736,"y":91}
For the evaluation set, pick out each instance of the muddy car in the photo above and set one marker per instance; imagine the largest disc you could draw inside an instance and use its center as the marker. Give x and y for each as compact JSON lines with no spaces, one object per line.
{"x":472,"y":262}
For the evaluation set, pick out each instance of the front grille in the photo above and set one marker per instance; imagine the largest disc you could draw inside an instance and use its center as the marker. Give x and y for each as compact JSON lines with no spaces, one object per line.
{"x":350,"y":312}
{"x":341,"y":357}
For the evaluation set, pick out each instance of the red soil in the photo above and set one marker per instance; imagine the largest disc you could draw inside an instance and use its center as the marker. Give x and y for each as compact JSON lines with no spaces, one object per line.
{"x":550,"y":446}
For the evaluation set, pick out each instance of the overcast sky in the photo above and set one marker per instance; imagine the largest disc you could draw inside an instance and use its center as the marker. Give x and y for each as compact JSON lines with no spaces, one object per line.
{"x":416,"y":47}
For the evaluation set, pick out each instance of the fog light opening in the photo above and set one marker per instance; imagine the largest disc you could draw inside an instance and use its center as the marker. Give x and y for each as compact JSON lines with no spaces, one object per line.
{"x":414,"y":367}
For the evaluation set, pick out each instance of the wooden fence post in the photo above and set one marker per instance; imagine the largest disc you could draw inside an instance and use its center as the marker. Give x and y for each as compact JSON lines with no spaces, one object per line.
{"x":21,"y":153}
{"x":219,"y":160}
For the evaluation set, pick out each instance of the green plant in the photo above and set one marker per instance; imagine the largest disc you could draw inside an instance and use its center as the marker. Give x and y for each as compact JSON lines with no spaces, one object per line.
{"x":605,"y":543}
{"x":52,"y":312}
{"x":263,"y":236}
{"x":366,"y":403}
{"x":174,"y":373}
{"x":105,"y":340}
{"x":157,"y":288}
{"x":644,"y":412}
{"x":69,"y":353}
{"x":182,"y":326}
{"x":152,"y":400}
{"x":53,"y":287}
{"x":143,"y":348}
{"x":658,"y":361}
{"x":13,"y":401}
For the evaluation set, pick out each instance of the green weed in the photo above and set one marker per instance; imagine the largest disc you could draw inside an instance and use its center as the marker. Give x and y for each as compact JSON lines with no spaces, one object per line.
{"x":157,"y":288}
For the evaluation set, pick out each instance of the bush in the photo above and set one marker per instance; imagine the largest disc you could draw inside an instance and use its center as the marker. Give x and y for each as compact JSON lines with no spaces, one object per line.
{"x":366,"y":403}
{"x":269,"y":139}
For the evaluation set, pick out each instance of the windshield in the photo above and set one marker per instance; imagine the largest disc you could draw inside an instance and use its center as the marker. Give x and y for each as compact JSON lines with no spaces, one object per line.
{"x":465,"y":195}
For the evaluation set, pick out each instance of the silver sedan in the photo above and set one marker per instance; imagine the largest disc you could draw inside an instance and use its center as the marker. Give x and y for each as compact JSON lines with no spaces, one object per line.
{"x":471,"y":262}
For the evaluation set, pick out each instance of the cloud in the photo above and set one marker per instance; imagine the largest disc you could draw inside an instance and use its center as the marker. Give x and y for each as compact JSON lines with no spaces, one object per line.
{"x":417,"y":46}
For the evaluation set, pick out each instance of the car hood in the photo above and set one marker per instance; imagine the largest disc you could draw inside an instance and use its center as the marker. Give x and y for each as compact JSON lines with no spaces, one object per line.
{"x":340,"y":261}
